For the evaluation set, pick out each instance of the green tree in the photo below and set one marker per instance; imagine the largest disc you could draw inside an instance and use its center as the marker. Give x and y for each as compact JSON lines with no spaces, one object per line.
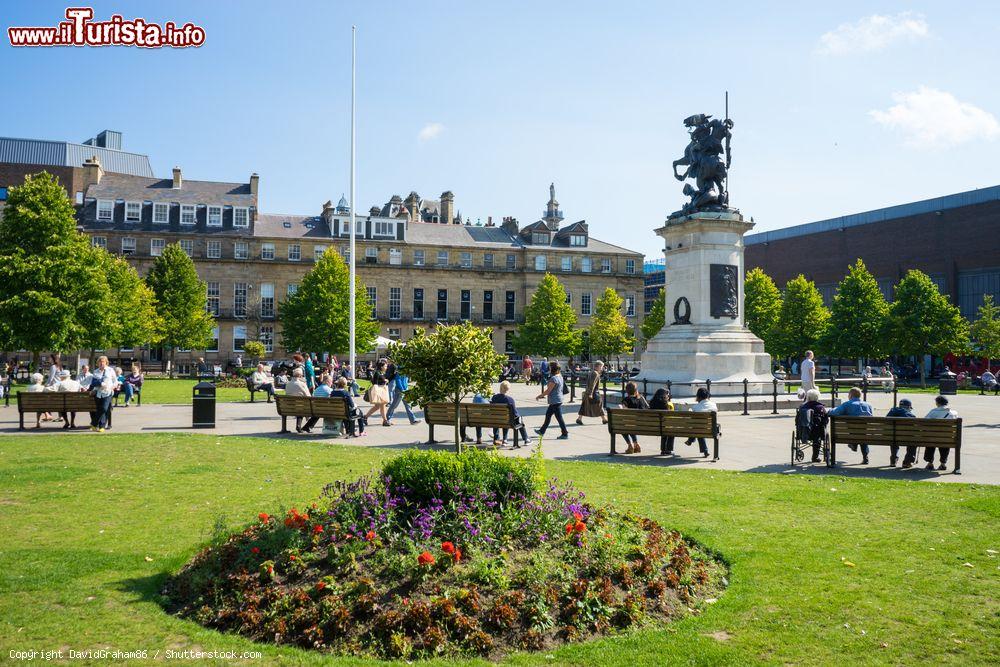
{"x":254,"y":349}
{"x":761,"y":306}
{"x":802,"y":320}
{"x":549,"y":328}
{"x":922,"y":321}
{"x":857,"y":318}
{"x":610,"y":334}
{"x":38,"y":216}
{"x":655,"y":318}
{"x":317,"y":317}
{"x":448,"y":365}
{"x":180,"y":302}
{"x":132,"y":319}
{"x":986,"y":329}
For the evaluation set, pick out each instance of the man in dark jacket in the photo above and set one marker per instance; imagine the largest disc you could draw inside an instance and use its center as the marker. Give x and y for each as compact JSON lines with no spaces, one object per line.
{"x":817,"y":422}
{"x":904,"y":409}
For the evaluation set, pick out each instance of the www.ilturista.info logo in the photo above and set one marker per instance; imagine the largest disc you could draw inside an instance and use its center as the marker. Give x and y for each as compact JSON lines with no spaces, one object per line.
{"x":80,"y":30}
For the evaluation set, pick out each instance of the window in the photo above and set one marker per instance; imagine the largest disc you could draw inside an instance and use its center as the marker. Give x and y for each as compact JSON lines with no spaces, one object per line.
{"x":214,"y":250}
{"x":100,"y":242}
{"x":187,"y":214}
{"x":605,"y":265}
{"x":466,"y":312}
{"x":579,"y":240}
{"x":466,"y":260}
{"x":105,"y":210}
{"x":395,"y":302}
{"x":294,"y":252}
{"x":239,"y":337}
{"x":214,"y":216}
{"x":187,"y":245}
{"x":318,"y":252}
{"x":586,"y":265}
{"x":359,"y":228}
{"x":239,"y":299}
{"x":373,"y":298}
{"x":488,"y":305}
{"x":630,"y":306}
{"x":345,"y":252}
{"x":569,"y":298}
{"x":511,"y":261}
{"x":128,"y":245}
{"x":541,"y":263}
{"x":241,"y":217}
{"x":241,"y":250}
{"x":629,"y":266}
{"x":508,"y":341}
{"x":509,"y":306}
{"x":267,"y":338}
{"x":393,"y":333}
{"x":567,"y":263}
{"x":418,"y":258}
{"x":212,"y":304}
{"x":214,"y":345}
{"x":267,"y":251}
{"x":161,"y":213}
{"x":384,"y":228}
{"x":442,"y":258}
{"x":442,"y":309}
{"x":395,"y":256}
{"x":539,"y":238}
{"x":418,"y":303}
{"x":585,"y":303}
{"x":488,"y":260}
{"x":292,"y":289}
{"x":133,"y":211}
{"x":267,"y":299}
{"x":156,"y":247}
{"x":371,"y":255}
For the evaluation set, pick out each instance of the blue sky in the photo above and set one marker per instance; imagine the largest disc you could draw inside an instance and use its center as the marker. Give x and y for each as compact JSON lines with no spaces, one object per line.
{"x":837,"y":109}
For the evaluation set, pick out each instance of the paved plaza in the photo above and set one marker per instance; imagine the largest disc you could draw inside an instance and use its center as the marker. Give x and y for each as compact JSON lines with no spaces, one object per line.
{"x":759,"y":442}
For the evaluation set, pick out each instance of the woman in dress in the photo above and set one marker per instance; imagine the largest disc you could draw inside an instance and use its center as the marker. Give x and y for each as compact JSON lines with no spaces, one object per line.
{"x":378,"y":394}
{"x":591,"y":404}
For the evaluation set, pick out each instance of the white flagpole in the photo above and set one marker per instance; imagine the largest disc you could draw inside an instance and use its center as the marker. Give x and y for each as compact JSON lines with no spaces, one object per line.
{"x":353,"y":221}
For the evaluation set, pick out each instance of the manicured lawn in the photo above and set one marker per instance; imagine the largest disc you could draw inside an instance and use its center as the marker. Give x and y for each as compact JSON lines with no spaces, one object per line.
{"x":825,"y":570}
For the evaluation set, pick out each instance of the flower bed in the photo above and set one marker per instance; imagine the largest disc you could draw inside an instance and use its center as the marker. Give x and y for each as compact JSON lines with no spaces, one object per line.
{"x":471,"y":555}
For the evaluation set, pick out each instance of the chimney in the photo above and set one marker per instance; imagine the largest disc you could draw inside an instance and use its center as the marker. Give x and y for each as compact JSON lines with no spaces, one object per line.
{"x":178,"y":181}
{"x":447,"y":211}
{"x":489,"y":221}
{"x":255,"y":183}
{"x":92,"y":171}
{"x":510,"y":225}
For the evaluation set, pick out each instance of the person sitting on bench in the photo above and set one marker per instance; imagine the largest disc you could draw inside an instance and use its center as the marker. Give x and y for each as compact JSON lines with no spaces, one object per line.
{"x":940,"y":411}
{"x":68,"y":385}
{"x":661,"y":401}
{"x":633,"y":401}
{"x":702,"y":405}
{"x":855,"y":407}
{"x":504,"y":398}
{"x":355,"y":415}
{"x":904,"y":410}
{"x":133,"y":383}
{"x":262,"y":381}
{"x":816,"y":426}
{"x":297,"y":387}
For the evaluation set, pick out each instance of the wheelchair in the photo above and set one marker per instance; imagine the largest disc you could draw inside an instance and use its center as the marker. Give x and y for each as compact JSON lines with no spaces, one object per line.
{"x":803,"y":440}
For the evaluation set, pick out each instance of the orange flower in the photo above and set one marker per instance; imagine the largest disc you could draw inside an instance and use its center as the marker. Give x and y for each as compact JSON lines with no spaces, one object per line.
{"x":448,"y":547}
{"x":457,"y":555}
{"x":569,"y":527}
{"x":264,"y":517}
{"x":580,"y":527}
{"x":320,"y":585}
{"x":577,"y":516}
{"x":425,"y":558}
{"x":370,"y":535}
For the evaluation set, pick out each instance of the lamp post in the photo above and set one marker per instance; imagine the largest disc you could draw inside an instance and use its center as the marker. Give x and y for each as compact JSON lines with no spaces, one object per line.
{"x":354,"y":41}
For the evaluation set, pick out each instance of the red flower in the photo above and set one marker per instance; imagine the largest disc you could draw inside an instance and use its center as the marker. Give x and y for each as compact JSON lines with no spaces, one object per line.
{"x":264,"y":517}
{"x":317,"y":528}
{"x":457,"y":555}
{"x":448,"y":547}
{"x":425,"y":558}
{"x":577,"y":516}
{"x":255,"y":550}
{"x":569,"y":527}
{"x":370,"y":535}
{"x":320,"y":585}
{"x":580,"y":527}
{"x":292,"y":557}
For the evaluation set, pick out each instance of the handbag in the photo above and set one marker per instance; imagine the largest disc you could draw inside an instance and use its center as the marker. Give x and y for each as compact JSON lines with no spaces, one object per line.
{"x":367,"y":396}
{"x":565,"y":389}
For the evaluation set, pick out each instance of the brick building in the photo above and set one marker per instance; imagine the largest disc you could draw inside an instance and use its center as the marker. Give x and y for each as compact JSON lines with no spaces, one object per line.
{"x":419,"y":261}
{"x":954,"y":239}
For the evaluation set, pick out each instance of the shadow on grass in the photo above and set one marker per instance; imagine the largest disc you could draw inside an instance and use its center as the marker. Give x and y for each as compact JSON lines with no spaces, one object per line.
{"x":145,"y":589}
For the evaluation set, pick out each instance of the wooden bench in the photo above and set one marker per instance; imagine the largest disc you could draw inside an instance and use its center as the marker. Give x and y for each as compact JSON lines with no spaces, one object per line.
{"x":56,"y":401}
{"x":664,"y":424}
{"x":483,"y":415}
{"x":120,"y":394}
{"x":335,"y":407}
{"x":896,"y":431}
{"x":252,"y":388}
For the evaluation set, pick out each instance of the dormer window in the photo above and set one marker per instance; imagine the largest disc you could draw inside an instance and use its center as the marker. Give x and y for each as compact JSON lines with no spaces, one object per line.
{"x":133,"y":211}
{"x":105,"y":210}
{"x":214,"y":216}
{"x":187,"y":214}
{"x":579,"y":240}
{"x":539,"y":238}
{"x":161,"y":213}
{"x":384,"y":228}
{"x":241,"y":217}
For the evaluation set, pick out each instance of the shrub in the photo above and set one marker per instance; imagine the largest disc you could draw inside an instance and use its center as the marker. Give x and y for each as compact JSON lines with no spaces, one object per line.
{"x":446,"y":476}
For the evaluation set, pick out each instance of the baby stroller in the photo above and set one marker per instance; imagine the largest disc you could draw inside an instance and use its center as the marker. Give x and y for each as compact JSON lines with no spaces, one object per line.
{"x":810,"y":431}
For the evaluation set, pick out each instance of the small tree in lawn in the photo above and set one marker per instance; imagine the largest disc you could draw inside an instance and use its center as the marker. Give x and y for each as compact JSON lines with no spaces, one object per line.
{"x":922,"y":321}
{"x":549,"y":328}
{"x":655,"y":318}
{"x":180,"y":302}
{"x":761,"y":306}
{"x":448,"y":365}
{"x":802,"y":320}
{"x":317,"y":317}
{"x":610,"y":334}
{"x":857,"y":318}
{"x":132,"y":316}
{"x":986,"y":329}
{"x":255,"y":350}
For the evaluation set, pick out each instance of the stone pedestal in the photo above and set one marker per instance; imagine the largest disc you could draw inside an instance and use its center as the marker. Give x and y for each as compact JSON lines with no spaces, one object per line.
{"x":704,"y":336}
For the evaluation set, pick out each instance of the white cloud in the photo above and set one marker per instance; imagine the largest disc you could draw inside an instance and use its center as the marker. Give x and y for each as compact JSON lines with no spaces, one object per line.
{"x":430,"y":131}
{"x":873,"y":33}
{"x":930,"y":118}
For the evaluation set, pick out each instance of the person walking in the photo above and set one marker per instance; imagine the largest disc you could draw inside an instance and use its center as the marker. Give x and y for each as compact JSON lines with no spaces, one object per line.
{"x":544,"y":370}
{"x":633,"y":401}
{"x":310,"y":371}
{"x":553,"y":392}
{"x":526,"y":366}
{"x":401,"y":384}
{"x":103,"y":381}
{"x":503,"y":397}
{"x":854,"y":407}
{"x":808,"y":370}
{"x":378,"y":394}
{"x":661,"y":401}
{"x":591,"y":404}
{"x":904,"y":410}
{"x":940,"y":411}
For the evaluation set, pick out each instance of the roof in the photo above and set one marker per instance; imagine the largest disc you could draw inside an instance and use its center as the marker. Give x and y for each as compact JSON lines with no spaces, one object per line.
{"x":958,"y":200}
{"x":459,"y":235}
{"x":68,"y":154}
{"x":291,"y":226}
{"x":134,"y":188}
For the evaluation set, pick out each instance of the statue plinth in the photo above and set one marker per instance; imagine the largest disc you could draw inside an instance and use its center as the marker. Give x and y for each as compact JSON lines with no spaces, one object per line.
{"x":704,"y":336}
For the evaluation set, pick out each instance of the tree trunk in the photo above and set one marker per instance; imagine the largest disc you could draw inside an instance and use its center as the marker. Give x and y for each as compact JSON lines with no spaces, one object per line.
{"x":36,"y":358}
{"x":923,"y":373}
{"x":173,"y":352}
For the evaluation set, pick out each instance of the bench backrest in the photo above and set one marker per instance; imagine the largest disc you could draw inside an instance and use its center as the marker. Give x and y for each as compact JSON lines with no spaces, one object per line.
{"x":293,"y":406}
{"x":472,"y":414}
{"x":78,"y":402}
{"x":662,"y":422}
{"x":41,"y":401}
{"x":896,"y":431}
{"x":332,"y":407}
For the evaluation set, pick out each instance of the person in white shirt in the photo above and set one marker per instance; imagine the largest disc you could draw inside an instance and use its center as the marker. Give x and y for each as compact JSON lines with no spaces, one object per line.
{"x":297,"y":387}
{"x":262,"y":381}
{"x":36,"y":387}
{"x":939,"y":411}
{"x":703,"y":405}
{"x":103,"y":380}
{"x":988,"y":380}
{"x":808,"y":372}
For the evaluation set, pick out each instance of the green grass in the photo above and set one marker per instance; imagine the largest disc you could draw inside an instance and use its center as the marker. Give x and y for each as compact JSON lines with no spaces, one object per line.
{"x":91,"y":525}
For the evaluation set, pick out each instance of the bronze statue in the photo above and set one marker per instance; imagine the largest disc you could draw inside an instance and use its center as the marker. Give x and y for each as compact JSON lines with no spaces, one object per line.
{"x":703,"y":161}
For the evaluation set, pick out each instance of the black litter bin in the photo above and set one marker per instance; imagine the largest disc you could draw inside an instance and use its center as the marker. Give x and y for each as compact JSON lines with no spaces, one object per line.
{"x":948,"y":386}
{"x":203,"y":405}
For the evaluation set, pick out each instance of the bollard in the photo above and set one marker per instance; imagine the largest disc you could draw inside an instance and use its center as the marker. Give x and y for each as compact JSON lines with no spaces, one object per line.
{"x":572,"y":387}
{"x":833,"y":392}
{"x":746,"y":396}
{"x":708,"y":386}
{"x":864,"y":389}
{"x":895,"y":403}
{"x":604,"y":383}
{"x":774,"y":397}
{"x":645,"y":389}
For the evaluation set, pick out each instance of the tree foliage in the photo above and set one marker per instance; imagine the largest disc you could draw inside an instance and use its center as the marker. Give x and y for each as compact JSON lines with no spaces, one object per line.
{"x":923,"y":321}
{"x":180,"y":301}
{"x":38,"y":215}
{"x":986,"y":329}
{"x":317,"y":317}
{"x":802,"y":320}
{"x":254,"y":349}
{"x":610,"y":334}
{"x":857,"y":318}
{"x":656,"y":317}
{"x":761,"y":306}
{"x":549,"y":328}
{"x":132,"y":318}
{"x":448,"y":365}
